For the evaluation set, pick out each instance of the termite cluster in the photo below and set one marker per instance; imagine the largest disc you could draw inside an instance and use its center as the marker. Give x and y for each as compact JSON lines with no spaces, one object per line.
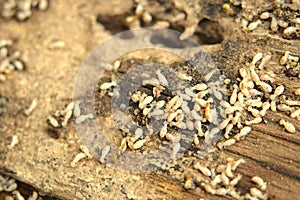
{"x":166,"y":113}
{"x":141,"y":15}
{"x":10,"y":187}
{"x":9,"y":60}
{"x":22,"y":9}
{"x":62,"y":117}
{"x":246,"y":105}
{"x":222,"y":180}
{"x":85,"y":153}
{"x":287,"y":23}
{"x":145,"y":15}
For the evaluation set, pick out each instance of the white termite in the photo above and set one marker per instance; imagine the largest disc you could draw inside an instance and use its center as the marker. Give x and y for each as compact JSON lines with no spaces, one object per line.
{"x":254,"y":25}
{"x":77,"y":158}
{"x":283,"y":107}
{"x":76,"y":110}
{"x":227,"y":130}
{"x":236,"y":118}
{"x":265,"y":15}
{"x":209,"y":75}
{"x":183,"y":76}
{"x":31,"y":108}
{"x":195,"y":115}
{"x":233,"y":96}
{"x":184,"y":96}
{"x":162,"y":79}
{"x":180,"y":125}
{"x":145,"y":102}
{"x":265,"y":106}
{"x":255,"y":92}
{"x":139,"y":9}
{"x":196,"y":140}
{"x":256,"y":58}
{"x":14,"y":142}
{"x":295,"y":113}
{"x":33,"y":196}
{"x":288,"y":126}
{"x":216,"y":180}
{"x":200,"y":87}
{"x":108,"y":85}
{"x":138,"y":144}
{"x":104,"y":153}
{"x":283,"y":60}
{"x":243,"y":132}
{"x":138,"y":134}
{"x":18,"y":195}
{"x":232,"y":109}
{"x":235,"y":164}
{"x":152,"y":81}
{"x":172,"y":102}
{"x":235,"y":180}
{"x":172,"y":116}
{"x":189,"y":124}
{"x":208,"y":113}
{"x":274,"y":24}
{"x":257,"y":193}
{"x":18,"y":65}
{"x":204,"y":170}
{"x":156,"y":112}
{"x":282,"y":23}
{"x":224,"y":123}
{"x":209,"y":189}
{"x":218,"y":94}
{"x":147,"y":17}
{"x":226,"y":143}
{"x":254,"y":76}
{"x":266,"y":77}
{"x":278,"y":91}
{"x":43,"y":5}
{"x":225,"y":104}
{"x":177,"y":103}
{"x":222,"y":191}
{"x":196,"y":107}
{"x":146,"y":110}
{"x":85,"y":150}
{"x":256,"y":120}
{"x":5,"y":42}
{"x":224,"y":178}
{"x":254,"y":112}
{"x":160,"y":104}
{"x":82,"y":118}
{"x":273,"y":105}
{"x":228,"y":170}
{"x":189,"y":183}
{"x":260,"y":182}
{"x":175,"y":150}
{"x":292,"y":103}
{"x":52,"y":121}
{"x":198,"y":126}
{"x":244,"y":23}
{"x":289,"y":31}
{"x":189,"y":92}
{"x":265,"y":86}
{"x":243,"y":73}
